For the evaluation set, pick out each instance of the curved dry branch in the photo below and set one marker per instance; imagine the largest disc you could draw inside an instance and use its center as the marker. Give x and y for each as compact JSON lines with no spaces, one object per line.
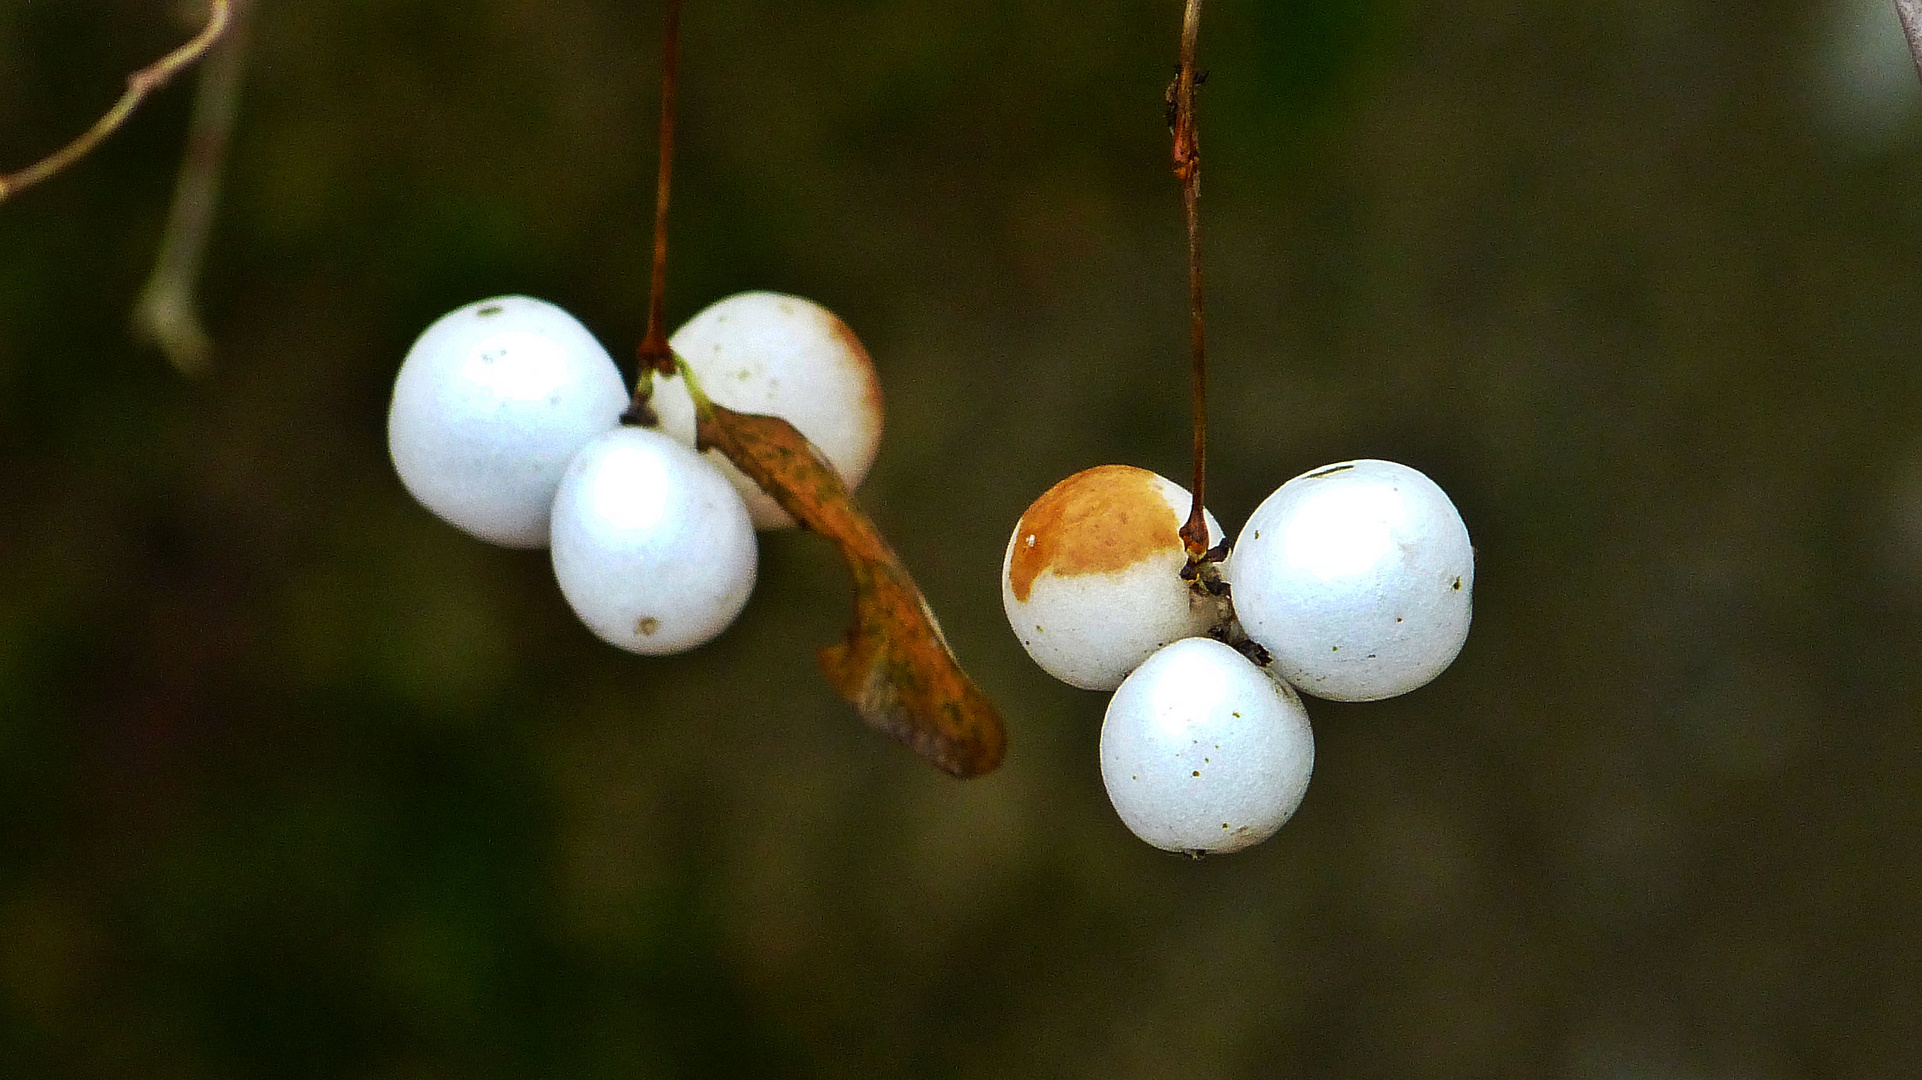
{"x":139,"y":85}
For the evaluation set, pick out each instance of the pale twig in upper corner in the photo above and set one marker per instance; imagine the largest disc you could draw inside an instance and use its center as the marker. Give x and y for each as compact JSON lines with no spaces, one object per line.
{"x":139,"y":85}
{"x":166,"y":313}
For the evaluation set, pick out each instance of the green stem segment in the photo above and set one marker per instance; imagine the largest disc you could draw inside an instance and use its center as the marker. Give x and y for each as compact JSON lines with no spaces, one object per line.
{"x":703,"y":407}
{"x":641,"y":414}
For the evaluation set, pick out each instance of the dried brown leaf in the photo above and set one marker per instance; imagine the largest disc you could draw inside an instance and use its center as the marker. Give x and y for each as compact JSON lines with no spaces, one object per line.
{"x":894,"y":665}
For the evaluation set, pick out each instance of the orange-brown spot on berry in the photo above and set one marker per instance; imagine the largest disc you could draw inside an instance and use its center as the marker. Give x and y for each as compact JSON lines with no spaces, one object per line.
{"x":1098,"y":521}
{"x":871,"y":391}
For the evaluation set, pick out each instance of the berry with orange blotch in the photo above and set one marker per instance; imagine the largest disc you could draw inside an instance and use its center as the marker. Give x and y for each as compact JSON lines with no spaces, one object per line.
{"x":1091,"y":581}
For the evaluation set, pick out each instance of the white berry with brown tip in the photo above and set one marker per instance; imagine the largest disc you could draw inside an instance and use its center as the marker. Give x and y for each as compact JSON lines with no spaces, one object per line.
{"x":1357,"y":578}
{"x":763,"y":352}
{"x":492,"y":401}
{"x":652,"y":547}
{"x":1091,"y":581}
{"x":1202,"y":753}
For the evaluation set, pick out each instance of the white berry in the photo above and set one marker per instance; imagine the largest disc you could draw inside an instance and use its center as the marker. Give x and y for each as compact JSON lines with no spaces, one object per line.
{"x":652,"y":547}
{"x":491,"y":402}
{"x":1203,"y":753}
{"x":763,"y":352}
{"x":1091,"y":579}
{"x":1357,"y":578}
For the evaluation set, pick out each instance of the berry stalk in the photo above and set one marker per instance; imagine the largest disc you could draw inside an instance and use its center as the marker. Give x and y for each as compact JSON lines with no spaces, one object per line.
{"x":654,"y":352}
{"x":1187,"y":169}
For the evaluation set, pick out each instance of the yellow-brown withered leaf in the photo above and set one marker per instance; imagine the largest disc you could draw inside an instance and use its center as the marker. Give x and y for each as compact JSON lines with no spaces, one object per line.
{"x":894,"y":665}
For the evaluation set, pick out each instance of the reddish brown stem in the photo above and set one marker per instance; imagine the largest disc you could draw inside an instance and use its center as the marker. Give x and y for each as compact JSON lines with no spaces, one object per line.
{"x":655,"y":354}
{"x":1187,"y":167}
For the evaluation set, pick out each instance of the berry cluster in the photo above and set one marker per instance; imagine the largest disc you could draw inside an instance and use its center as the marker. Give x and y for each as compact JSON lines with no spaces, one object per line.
{"x":1351,"y":583}
{"x":506,"y":422}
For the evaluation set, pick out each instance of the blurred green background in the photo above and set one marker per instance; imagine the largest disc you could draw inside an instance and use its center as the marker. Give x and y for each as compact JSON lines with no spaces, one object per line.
{"x":296,"y":781}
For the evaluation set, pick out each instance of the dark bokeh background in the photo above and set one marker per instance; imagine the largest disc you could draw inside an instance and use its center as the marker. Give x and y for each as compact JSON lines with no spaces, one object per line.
{"x":296,"y":781}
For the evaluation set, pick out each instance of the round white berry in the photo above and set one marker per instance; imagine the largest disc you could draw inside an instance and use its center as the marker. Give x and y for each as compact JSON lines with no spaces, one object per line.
{"x":652,"y":547}
{"x":491,"y":402}
{"x":763,"y":352}
{"x":1091,"y":579}
{"x":1357,"y":577}
{"x":1203,"y":753}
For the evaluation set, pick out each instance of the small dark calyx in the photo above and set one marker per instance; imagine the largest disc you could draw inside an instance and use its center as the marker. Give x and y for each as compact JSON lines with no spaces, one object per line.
{"x":1231,"y":635}
{"x":1203,"y":574}
{"x":640,"y":412}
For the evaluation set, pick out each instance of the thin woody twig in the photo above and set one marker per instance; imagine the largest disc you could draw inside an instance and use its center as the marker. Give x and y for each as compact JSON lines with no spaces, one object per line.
{"x":654,"y":351}
{"x":166,"y":313}
{"x":139,"y":85}
{"x":1187,"y":168}
{"x":1910,"y":12}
